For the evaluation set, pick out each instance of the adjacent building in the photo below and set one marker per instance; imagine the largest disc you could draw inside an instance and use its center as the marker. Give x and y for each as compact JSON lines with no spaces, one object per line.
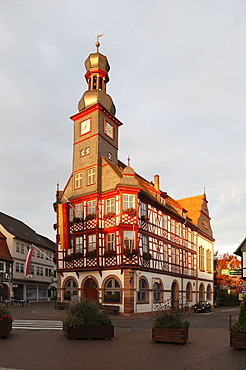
{"x":6,"y":269}
{"x":241,"y":251}
{"x":121,"y":239}
{"x":15,"y":240}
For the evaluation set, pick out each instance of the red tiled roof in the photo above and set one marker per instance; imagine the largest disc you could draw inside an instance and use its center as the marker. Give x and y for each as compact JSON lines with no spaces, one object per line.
{"x":4,"y":250}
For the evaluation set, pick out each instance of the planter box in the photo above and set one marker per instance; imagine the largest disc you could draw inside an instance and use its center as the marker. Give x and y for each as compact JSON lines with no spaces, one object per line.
{"x":237,"y":340}
{"x":5,"y":329}
{"x":89,"y":332}
{"x":170,"y":335}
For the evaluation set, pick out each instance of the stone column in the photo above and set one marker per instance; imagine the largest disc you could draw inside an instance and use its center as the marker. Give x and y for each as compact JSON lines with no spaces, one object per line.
{"x":128,"y":292}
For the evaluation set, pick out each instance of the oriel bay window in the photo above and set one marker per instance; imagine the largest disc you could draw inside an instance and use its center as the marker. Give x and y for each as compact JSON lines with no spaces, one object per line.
{"x":128,"y":201}
{"x":110,"y":206}
{"x":78,"y":211}
{"x":91,"y":207}
{"x":91,"y":246}
{"x":110,"y":242}
{"x":129,"y":239}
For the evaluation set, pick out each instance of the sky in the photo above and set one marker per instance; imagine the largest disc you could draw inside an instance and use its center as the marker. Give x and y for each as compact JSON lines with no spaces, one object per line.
{"x":177,"y":79}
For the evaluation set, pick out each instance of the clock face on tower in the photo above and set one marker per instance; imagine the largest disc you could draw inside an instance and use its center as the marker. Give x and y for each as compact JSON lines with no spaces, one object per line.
{"x":85,"y":126}
{"x":109,"y":129}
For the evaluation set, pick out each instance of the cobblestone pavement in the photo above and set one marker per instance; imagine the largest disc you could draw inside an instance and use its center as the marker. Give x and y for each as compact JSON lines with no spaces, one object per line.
{"x":130,"y":348}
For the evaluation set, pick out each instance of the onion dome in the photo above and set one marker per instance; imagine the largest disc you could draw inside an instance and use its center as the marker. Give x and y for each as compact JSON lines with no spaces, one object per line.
{"x":97,"y":68}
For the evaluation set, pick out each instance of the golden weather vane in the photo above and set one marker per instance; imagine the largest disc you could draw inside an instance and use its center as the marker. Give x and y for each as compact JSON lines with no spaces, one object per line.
{"x":97,"y":42}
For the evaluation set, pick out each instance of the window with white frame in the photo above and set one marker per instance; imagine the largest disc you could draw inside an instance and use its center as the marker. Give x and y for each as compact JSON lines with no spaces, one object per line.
{"x":1,"y":266}
{"x":145,"y":244}
{"x":129,"y":239}
{"x":110,"y":242}
{"x":79,"y":244}
{"x":165,"y":252}
{"x":71,"y":214}
{"x":128,"y":201}
{"x":91,"y":207}
{"x":17,"y":267}
{"x":177,"y":256}
{"x":78,"y":180}
{"x":201,"y":258}
{"x":22,"y":248}
{"x":112,"y":291}
{"x":70,"y":289}
{"x":91,"y":242}
{"x":110,"y":205}
{"x":142,"y":293}
{"x":209,"y":268}
{"x":91,"y":176}
{"x":143,"y":209}
{"x":164,"y":222}
{"x":177,"y":228}
{"x":17,"y":247}
{"x":172,"y":255}
{"x":40,"y":271}
{"x":78,"y":210}
{"x":172,"y":226}
{"x":21,"y":267}
{"x":157,"y":291}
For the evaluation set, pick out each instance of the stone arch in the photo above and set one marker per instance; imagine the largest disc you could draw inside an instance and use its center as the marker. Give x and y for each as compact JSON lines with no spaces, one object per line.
{"x":158,"y":290}
{"x":112,"y":289}
{"x":90,"y":288}
{"x":201,"y":292}
{"x":70,"y":288}
{"x":175,"y":295}
{"x":188,"y":292}
{"x":209,"y":292}
{"x":143,"y":293}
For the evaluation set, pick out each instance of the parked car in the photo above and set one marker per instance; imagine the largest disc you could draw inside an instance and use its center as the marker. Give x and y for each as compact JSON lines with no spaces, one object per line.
{"x":202,"y":306}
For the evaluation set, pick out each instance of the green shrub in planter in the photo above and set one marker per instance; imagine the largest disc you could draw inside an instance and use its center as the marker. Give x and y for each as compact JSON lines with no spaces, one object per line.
{"x":170,"y":321}
{"x":240,"y":325}
{"x":86,"y":313}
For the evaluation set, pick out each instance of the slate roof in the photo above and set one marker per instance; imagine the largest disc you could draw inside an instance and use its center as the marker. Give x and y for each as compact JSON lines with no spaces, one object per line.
{"x":23,"y":232}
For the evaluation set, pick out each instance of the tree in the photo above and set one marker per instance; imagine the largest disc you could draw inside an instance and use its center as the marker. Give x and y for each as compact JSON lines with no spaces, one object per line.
{"x":226,"y":285}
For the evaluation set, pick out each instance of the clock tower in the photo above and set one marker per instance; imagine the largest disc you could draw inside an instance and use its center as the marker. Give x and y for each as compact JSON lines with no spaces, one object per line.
{"x":95,"y":128}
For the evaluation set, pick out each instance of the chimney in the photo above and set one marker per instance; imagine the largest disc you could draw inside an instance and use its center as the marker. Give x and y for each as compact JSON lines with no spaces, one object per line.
{"x":157,"y":182}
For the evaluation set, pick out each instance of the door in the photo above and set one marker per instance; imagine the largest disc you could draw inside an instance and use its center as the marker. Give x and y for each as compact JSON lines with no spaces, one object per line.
{"x":90,"y":290}
{"x":6,"y":294}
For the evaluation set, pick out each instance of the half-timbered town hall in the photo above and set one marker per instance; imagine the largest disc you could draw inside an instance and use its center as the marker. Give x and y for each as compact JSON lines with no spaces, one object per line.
{"x":122,"y":240}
